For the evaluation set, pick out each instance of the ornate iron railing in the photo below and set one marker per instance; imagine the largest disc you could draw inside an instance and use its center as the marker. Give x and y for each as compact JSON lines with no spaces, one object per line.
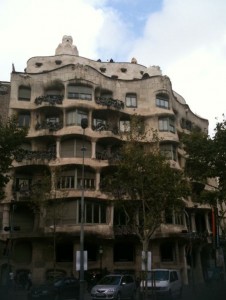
{"x":110,"y":102}
{"x":49,"y":125}
{"x":30,"y":155}
{"x":51,"y":99}
{"x":108,"y":127}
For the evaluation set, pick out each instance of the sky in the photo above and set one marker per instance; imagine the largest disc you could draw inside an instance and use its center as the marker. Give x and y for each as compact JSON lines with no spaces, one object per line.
{"x":185,"y":38}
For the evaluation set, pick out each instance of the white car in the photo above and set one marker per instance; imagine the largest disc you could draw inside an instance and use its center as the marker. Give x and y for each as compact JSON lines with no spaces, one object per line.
{"x":114,"y":287}
{"x":163,"y":282}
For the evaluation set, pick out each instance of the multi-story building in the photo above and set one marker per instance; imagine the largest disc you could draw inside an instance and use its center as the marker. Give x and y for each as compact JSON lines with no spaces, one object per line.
{"x":4,"y":99}
{"x":51,"y":97}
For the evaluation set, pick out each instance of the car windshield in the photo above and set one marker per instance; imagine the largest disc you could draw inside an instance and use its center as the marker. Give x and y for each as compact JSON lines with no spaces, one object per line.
{"x":159,"y":275}
{"x":110,"y":280}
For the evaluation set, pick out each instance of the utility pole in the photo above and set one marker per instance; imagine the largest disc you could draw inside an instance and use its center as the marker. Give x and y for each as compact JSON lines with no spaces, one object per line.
{"x":84,"y":125}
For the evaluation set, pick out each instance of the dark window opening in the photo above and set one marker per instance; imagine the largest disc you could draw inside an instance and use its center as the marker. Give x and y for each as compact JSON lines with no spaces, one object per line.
{"x":95,"y":213}
{"x":64,"y":252}
{"x":168,"y":217}
{"x":123,"y":252}
{"x":167,"y":252}
{"x":119,"y":217}
{"x":92,"y":251}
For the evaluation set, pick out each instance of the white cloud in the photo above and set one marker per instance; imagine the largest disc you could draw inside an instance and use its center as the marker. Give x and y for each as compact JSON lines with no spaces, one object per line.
{"x":187,"y":40}
{"x":35,"y":28}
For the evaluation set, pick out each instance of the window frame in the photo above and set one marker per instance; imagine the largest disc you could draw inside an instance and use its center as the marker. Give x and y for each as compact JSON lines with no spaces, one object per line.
{"x":25,"y":91}
{"x":24,"y":119}
{"x":162,"y":101}
{"x":75,"y":116}
{"x":131,"y":100}
{"x":167,"y":124}
{"x":93,"y":208}
{"x":125,"y":125}
{"x":79,"y":92}
{"x":169,"y":151}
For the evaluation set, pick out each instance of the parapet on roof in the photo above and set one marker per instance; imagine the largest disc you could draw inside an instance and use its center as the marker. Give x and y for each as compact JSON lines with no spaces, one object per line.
{"x":67,"y":54}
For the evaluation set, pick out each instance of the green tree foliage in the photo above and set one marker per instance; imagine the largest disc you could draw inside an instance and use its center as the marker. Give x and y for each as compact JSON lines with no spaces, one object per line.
{"x":11,"y":138}
{"x":207,"y":159}
{"x":143,"y":184}
{"x":48,"y":202}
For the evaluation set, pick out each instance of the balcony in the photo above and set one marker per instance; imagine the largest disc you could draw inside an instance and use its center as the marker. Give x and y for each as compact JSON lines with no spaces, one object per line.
{"x":110,"y":102}
{"x":51,"y":126}
{"x":33,"y":155}
{"x":103,"y":126}
{"x":50,"y":99}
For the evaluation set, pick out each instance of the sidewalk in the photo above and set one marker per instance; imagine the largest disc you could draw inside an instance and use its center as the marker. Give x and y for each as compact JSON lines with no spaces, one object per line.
{"x":214,"y":291}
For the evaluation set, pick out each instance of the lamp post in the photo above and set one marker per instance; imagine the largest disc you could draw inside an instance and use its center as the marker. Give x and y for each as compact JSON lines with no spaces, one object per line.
{"x":190,"y":246}
{"x":101,"y":255}
{"x":84,"y":125}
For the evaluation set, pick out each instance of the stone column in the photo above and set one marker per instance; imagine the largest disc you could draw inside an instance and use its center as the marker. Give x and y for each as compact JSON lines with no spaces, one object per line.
{"x":97,"y":180}
{"x":93,"y":150}
{"x":207,"y":222}
{"x":185,"y":267}
{"x":6,"y":216}
{"x":177,"y":258}
{"x":193,"y":225}
{"x":198,"y":267}
{"x":58,"y":148}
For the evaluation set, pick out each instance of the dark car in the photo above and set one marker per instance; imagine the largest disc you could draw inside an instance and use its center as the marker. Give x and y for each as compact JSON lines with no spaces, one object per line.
{"x":115,"y":286}
{"x":59,"y":289}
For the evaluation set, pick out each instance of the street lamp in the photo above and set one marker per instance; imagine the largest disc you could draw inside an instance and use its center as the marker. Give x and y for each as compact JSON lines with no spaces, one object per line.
{"x":84,"y":125}
{"x":189,"y":226}
{"x":101,"y":255}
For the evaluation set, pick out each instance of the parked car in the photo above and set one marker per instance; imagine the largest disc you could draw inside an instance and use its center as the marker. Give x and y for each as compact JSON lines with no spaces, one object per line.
{"x":92,"y":277}
{"x":163,"y":282}
{"x":114,"y":286}
{"x":59,"y":289}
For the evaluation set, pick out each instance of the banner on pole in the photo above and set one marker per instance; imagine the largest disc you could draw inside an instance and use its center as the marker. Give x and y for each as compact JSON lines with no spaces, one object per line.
{"x":146,"y":260}
{"x":78,"y":260}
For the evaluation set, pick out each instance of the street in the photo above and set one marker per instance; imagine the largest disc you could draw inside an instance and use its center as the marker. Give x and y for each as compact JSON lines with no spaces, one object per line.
{"x":215,"y":291}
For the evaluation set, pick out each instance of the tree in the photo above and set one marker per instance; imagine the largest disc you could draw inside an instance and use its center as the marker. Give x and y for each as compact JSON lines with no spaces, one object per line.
{"x":143,"y":184}
{"x":47,"y":201}
{"x":206,"y":167}
{"x":11,"y":139}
